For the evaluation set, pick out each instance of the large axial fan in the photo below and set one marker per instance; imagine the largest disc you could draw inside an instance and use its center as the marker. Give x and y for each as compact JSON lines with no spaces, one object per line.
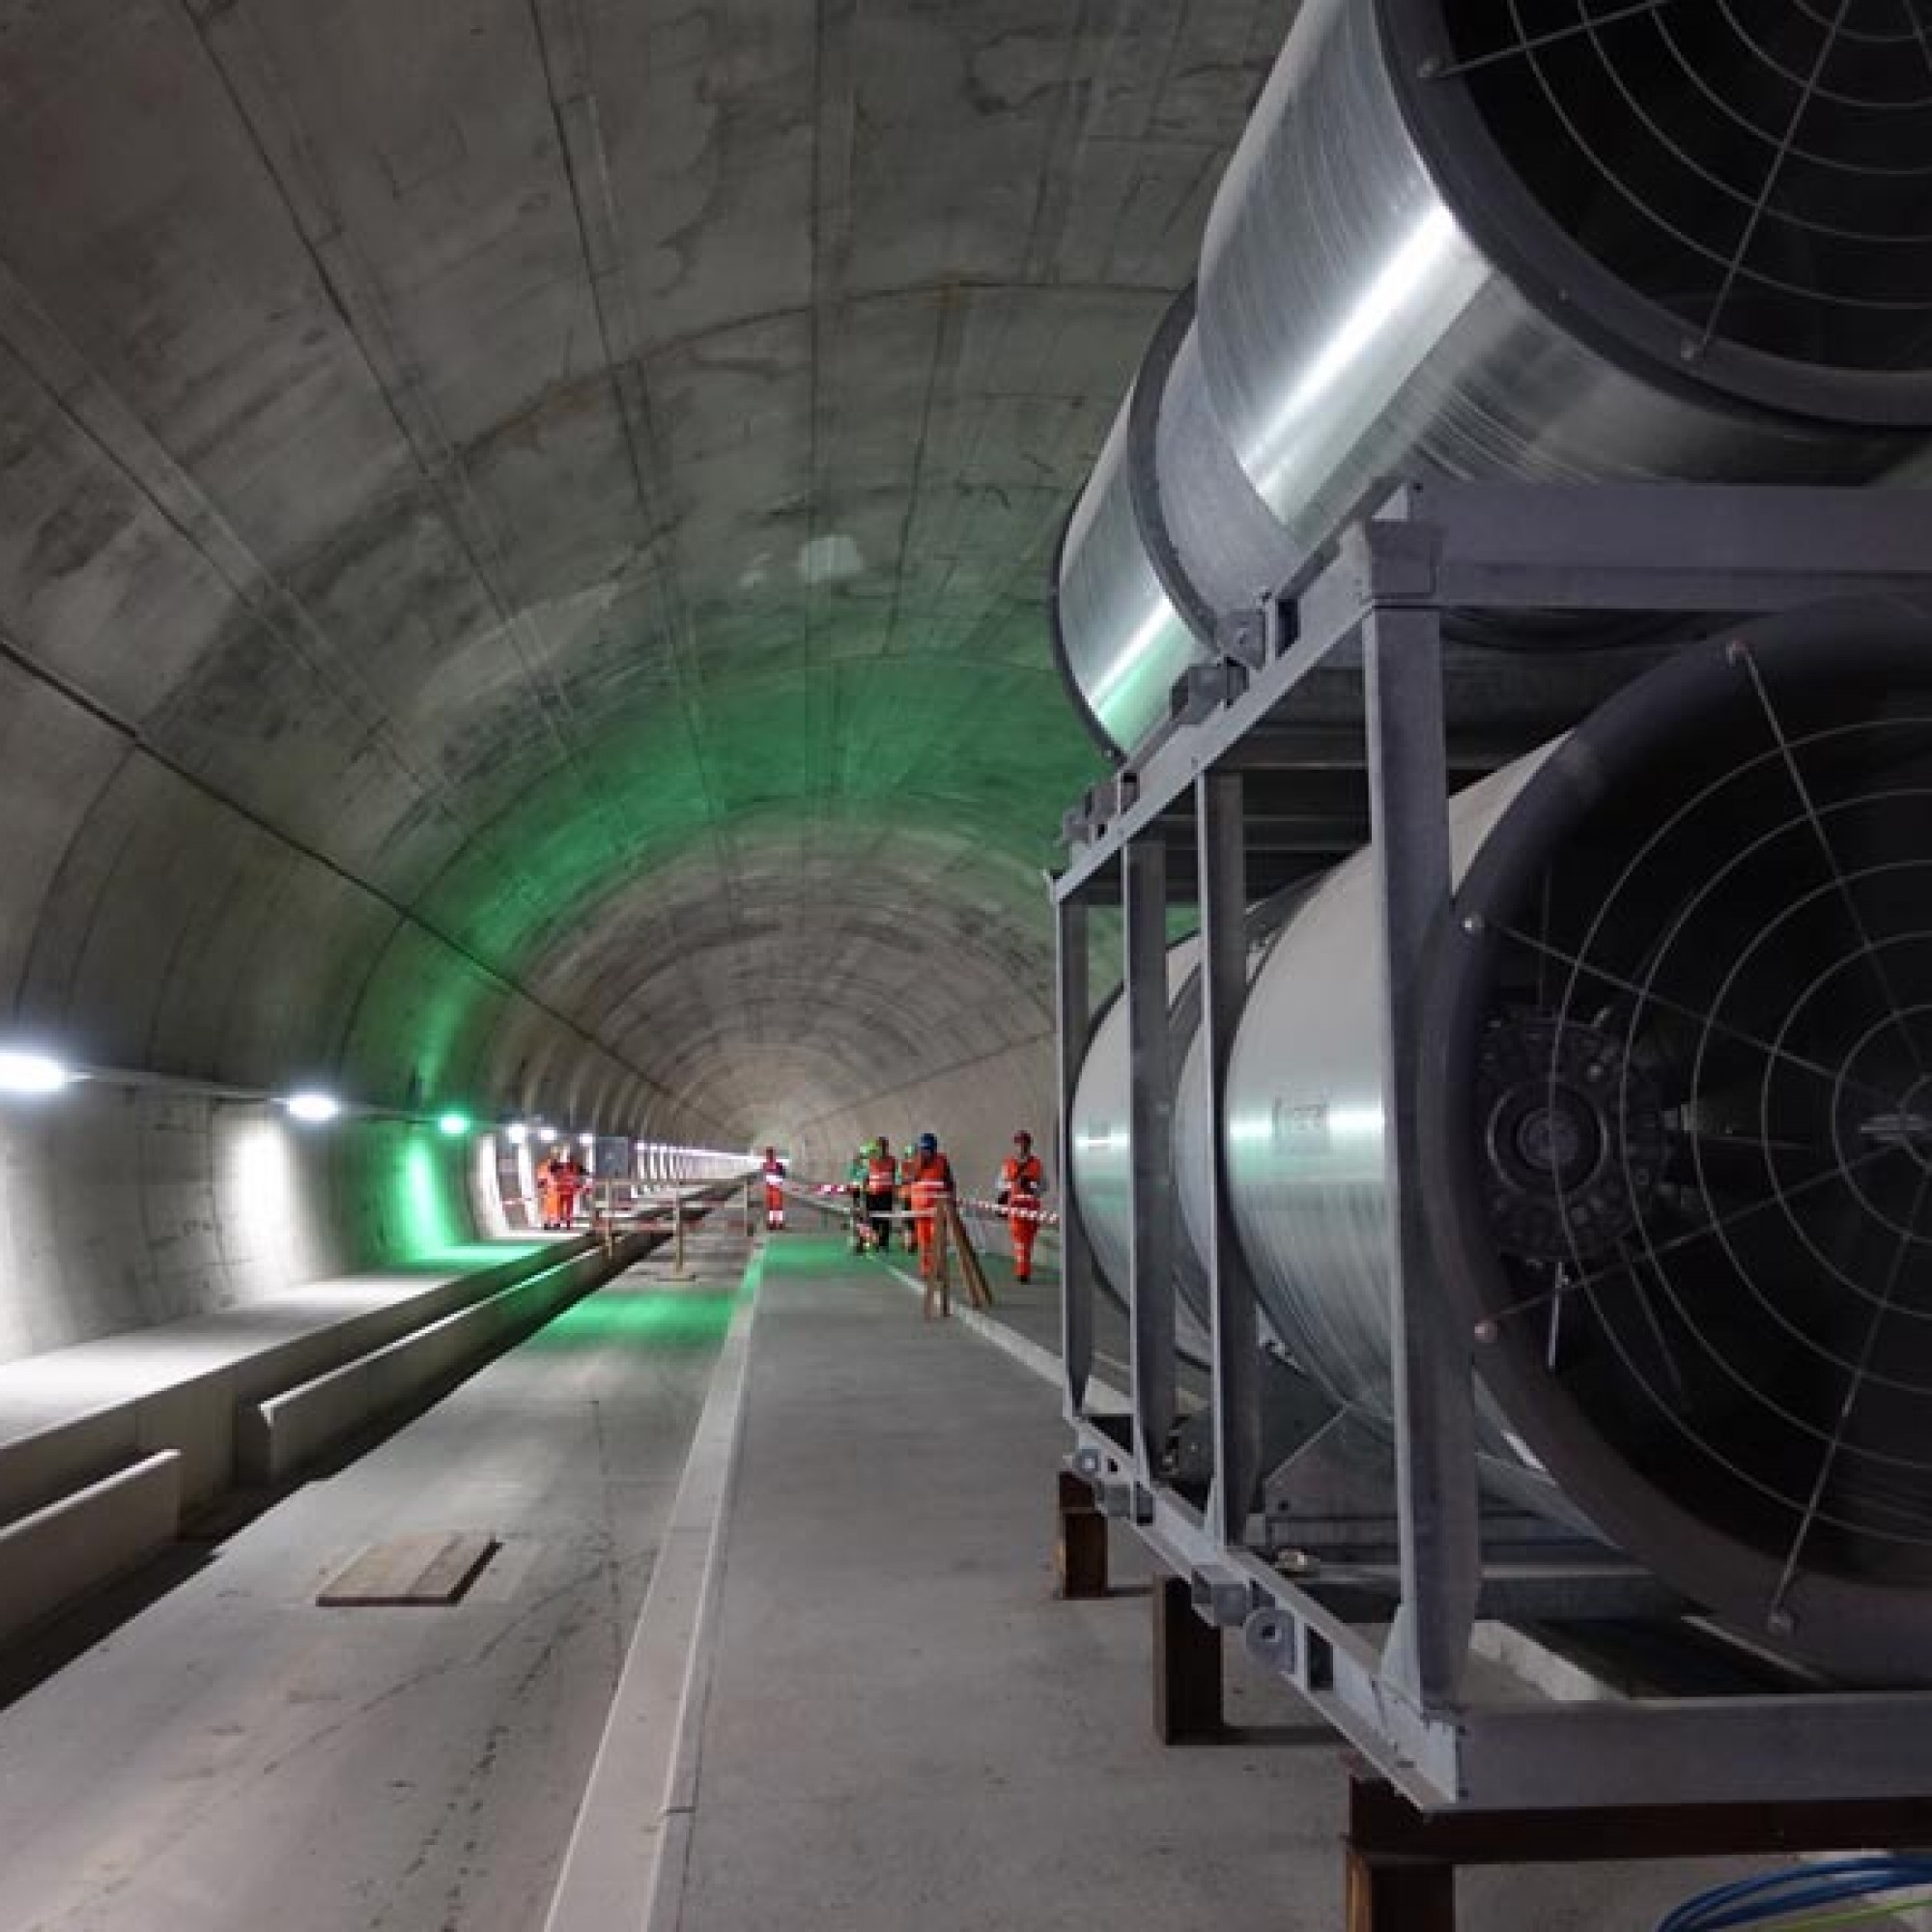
{"x":1681,"y":1126}
{"x":1759,"y":170}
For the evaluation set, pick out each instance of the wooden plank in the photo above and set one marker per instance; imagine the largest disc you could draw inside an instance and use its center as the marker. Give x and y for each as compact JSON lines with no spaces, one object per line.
{"x":411,"y":1569}
{"x":978,"y":1291}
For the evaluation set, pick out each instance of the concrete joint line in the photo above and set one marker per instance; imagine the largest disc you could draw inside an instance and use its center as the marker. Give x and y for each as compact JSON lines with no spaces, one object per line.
{"x":624,"y":1864}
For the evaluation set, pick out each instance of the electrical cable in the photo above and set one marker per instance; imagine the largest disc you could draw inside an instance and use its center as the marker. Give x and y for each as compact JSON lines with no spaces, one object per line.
{"x":1771,"y":1898}
{"x":1864,"y":1914}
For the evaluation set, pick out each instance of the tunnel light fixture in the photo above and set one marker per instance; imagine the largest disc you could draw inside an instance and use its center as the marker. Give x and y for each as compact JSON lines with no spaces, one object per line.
{"x":315,"y":1108}
{"x":547,"y":1135}
{"x":32,"y":1073}
{"x":454,"y":1125}
{"x":587,"y":1140}
{"x":517,"y":1133}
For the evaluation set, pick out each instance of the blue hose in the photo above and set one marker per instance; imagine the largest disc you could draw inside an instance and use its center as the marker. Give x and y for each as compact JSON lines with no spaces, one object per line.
{"x":1772,"y":1896}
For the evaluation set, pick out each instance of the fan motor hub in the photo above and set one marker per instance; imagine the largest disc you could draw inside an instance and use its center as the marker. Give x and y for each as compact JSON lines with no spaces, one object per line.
{"x":1572,"y":1138}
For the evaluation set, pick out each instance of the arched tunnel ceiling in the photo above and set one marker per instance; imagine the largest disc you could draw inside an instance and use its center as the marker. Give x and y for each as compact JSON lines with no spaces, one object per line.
{"x":548,"y":501}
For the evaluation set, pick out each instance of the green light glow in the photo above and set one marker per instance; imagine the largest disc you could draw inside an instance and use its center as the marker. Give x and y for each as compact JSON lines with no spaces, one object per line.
{"x":657,"y":1316}
{"x":650,"y":803}
{"x":898,"y":749}
{"x":427,"y":1218}
{"x":454,"y":1125}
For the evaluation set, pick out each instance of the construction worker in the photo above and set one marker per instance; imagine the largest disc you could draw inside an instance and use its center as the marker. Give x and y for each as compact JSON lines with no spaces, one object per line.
{"x":561,"y":1180}
{"x":775,"y":1200}
{"x":882,"y":1186}
{"x":928,"y":1188}
{"x":855,"y":1196}
{"x":1022,"y":1183}
{"x":573,"y":1180}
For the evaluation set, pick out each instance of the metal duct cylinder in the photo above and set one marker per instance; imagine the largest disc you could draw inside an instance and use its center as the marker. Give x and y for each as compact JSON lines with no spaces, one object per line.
{"x":1683,"y":244}
{"x":1166,"y":539}
{"x":1100,"y":1135}
{"x":1675,"y":1106}
{"x":1101,"y":1144}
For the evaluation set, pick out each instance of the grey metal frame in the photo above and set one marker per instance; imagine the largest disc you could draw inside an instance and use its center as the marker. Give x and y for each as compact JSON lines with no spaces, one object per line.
{"x":1376,"y":603}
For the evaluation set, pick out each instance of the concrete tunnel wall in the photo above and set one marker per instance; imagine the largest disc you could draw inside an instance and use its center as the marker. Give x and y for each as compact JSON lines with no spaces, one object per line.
{"x":523,"y":531}
{"x":121,"y":1208}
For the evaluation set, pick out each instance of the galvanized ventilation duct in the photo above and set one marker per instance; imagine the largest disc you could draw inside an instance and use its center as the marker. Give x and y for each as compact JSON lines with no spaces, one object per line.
{"x":1573,"y":242}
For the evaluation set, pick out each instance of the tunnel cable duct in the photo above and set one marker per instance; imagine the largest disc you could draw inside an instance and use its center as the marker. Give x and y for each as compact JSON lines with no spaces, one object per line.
{"x":1577,"y":244}
{"x":1675,"y":1120}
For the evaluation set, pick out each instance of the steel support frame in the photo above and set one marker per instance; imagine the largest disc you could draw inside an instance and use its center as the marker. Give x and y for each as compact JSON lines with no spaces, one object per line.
{"x":1374,"y":604}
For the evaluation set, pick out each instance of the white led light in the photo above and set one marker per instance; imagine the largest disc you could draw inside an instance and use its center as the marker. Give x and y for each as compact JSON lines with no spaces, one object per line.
{"x":518,"y":1133}
{"x":314,"y":1107}
{"x":546,"y":1135}
{"x":587,"y":1140}
{"x":31,"y":1073}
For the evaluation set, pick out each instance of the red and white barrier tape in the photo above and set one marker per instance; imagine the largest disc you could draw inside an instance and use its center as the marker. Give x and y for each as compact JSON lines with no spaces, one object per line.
{"x":1045,"y":1216}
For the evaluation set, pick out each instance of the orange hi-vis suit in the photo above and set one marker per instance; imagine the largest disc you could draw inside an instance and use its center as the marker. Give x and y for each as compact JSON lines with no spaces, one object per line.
{"x":1022,"y":1182}
{"x":929,"y":1183}
{"x":882,"y":1180}
{"x":561,"y":1180}
{"x":775,"y":1200}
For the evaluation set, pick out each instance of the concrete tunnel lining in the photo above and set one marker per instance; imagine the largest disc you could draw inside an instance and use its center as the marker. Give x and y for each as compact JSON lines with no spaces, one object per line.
{"x":504,"y":512}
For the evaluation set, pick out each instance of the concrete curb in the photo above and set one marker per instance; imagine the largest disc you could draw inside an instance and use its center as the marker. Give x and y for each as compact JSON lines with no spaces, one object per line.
{"x":625,"y":1861}
{"x":87,"y":1539}
{"x":282,"y":1433}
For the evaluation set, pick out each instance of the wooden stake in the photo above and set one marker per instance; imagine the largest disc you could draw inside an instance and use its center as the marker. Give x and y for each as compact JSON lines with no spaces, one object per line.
{"x":979,"y":1291}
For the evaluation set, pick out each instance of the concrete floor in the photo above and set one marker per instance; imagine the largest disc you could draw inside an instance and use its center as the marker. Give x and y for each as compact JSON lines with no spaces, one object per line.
{"x":900,"y":1724}
{"x":231,"y":1756}
{"x":903,"y":1727}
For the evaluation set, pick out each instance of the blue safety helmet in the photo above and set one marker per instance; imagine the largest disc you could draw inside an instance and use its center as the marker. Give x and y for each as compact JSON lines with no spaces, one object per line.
{"x":929,"y":1143}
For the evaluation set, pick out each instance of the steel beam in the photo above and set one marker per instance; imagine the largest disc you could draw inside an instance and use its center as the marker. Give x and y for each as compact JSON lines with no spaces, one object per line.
{"x":1150,"y":1058}
{"x":1074,"y":1023}
{"x":1662,"y":547}
{"x":1436,"y":1499}
{"x":1224,"y":990}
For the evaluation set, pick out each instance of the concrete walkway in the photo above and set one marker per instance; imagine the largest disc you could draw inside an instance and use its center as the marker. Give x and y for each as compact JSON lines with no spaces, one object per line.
{"x":901,"y":1726}
{"x":204,"y":1747}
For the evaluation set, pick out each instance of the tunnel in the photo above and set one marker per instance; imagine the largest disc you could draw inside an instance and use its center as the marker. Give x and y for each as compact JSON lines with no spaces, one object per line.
{"x":576,"y":577}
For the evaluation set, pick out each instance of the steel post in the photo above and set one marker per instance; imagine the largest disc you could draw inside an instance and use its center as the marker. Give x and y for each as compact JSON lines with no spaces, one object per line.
{"x":1080,"y":1550}
{"x":1436,"y":1444}
{"x":1186,"y":1668}
{"x":1149,"y":1054}
{"x":1224,"y":989}
{"x":1076,"y":1257}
